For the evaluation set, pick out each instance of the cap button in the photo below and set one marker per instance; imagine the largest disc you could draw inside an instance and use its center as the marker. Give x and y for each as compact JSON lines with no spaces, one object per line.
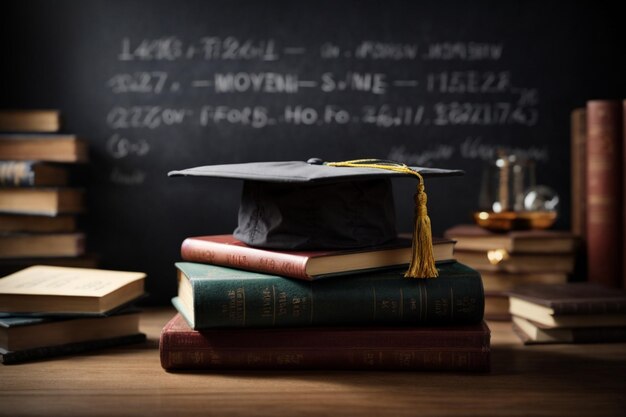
{"x":315,"y":161}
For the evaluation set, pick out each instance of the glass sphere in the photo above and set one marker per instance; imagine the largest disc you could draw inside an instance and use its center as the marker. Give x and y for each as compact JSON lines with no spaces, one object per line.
{"x":541,"y":198}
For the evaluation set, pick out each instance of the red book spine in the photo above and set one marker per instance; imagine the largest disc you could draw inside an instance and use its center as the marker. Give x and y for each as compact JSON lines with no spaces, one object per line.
{"x":324,"y":349}
{"x":604,"y":192}
{"x":235,"y":255}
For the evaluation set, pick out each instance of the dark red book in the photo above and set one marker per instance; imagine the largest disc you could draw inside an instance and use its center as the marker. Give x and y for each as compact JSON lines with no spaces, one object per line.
{"x":226,"y":250}
{"x":462,"y":348}
{"x":604,"y":192}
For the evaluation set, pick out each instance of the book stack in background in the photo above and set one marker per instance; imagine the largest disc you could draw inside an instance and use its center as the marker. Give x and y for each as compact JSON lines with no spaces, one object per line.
{"x":599,"y":188}
{"x":38,"y":202}
{"x":506,"y":260}
{"x":251,"y":308}
{"x":568,"y":313}
{"x":48,"y":311}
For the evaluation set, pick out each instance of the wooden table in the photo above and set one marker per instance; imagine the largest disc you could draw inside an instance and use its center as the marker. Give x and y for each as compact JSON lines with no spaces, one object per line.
{"x":556,"y":380}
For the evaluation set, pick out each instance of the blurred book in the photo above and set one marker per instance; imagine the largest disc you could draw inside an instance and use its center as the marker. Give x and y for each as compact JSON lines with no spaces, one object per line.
{"x":43,"y":147}
{"x":41,"y":201}
{"x":475,"y":238}
{"x":603,"y":193}
{"x":45,"y":120}
{"x":497,"y":284}
{"x":569,"y":305}
{"x":33,"y":245}
{"x":531,"y":333}
{"x":501,"y":260}
{"x":12,"y":223}
{"x":496,"y":306}
{"x":498,"y":281}
{"x":32,"y":174}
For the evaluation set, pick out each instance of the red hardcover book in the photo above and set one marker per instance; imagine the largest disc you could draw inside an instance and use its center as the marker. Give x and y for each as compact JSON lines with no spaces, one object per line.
{"x":226,"y":250}
{"x":464,"y":348}
{"x":604,"y":192}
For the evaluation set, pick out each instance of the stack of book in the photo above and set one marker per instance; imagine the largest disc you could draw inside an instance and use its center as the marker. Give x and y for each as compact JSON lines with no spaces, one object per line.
{"x":298,"y":313}
{"x":245,"y":305}
{"x":38,"y":205}
{"x":506,"y":260}
{"x":48,"y":311}
{"x":568,"y":313}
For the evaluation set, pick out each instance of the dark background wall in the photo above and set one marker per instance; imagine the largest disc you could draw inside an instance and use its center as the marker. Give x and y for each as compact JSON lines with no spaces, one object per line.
{"x":162,"y":85}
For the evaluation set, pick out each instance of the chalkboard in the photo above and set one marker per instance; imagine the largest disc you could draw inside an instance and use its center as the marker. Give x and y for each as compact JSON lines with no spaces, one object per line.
{"x":162,"y":85}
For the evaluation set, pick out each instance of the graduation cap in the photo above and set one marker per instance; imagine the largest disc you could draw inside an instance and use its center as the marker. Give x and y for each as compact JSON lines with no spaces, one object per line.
{"x":297,"y":205}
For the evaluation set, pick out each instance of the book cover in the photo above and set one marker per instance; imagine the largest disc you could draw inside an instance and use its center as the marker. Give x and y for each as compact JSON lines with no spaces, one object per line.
{"x":461,"y":348}
{"x":604,"y":192}
{"x":32,"y":174}
{"x":48,"y":147}
{"x":59,"y":290}
{"x":226,"y":250}
{"x":475,"y":238}
{"x":213,"y":296}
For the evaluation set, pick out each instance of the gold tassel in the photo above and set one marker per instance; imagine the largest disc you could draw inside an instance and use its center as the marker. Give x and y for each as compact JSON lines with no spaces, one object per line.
{"x":422,"y":259}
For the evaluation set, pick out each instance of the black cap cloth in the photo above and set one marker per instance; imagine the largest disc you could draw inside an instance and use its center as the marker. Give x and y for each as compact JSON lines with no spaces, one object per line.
{"x":297,"y":205}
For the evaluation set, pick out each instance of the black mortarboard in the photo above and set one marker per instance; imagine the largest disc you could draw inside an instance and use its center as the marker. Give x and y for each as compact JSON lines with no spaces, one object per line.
{"x":296,"y":205}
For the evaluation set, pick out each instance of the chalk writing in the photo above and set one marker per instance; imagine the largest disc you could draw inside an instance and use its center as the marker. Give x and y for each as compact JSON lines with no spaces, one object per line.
{"x":372,"y":83}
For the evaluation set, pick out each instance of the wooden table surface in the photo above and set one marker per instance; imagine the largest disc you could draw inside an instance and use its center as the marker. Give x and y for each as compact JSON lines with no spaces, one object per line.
{"x":549,"y":380}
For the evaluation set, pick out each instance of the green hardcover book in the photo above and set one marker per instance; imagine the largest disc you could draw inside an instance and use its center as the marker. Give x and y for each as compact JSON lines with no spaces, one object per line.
{"x":212,"y":296}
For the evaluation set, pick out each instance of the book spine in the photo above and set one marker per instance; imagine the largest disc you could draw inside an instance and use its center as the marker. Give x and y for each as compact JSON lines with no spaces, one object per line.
{"x":604,"y":192}
{"x":369,"y":300}
{"x":624,"y":195}
{"x":579,"y":153}
{"x":16,"y":174}
{"x":191,"y":351}
{"x":234,"y":256}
